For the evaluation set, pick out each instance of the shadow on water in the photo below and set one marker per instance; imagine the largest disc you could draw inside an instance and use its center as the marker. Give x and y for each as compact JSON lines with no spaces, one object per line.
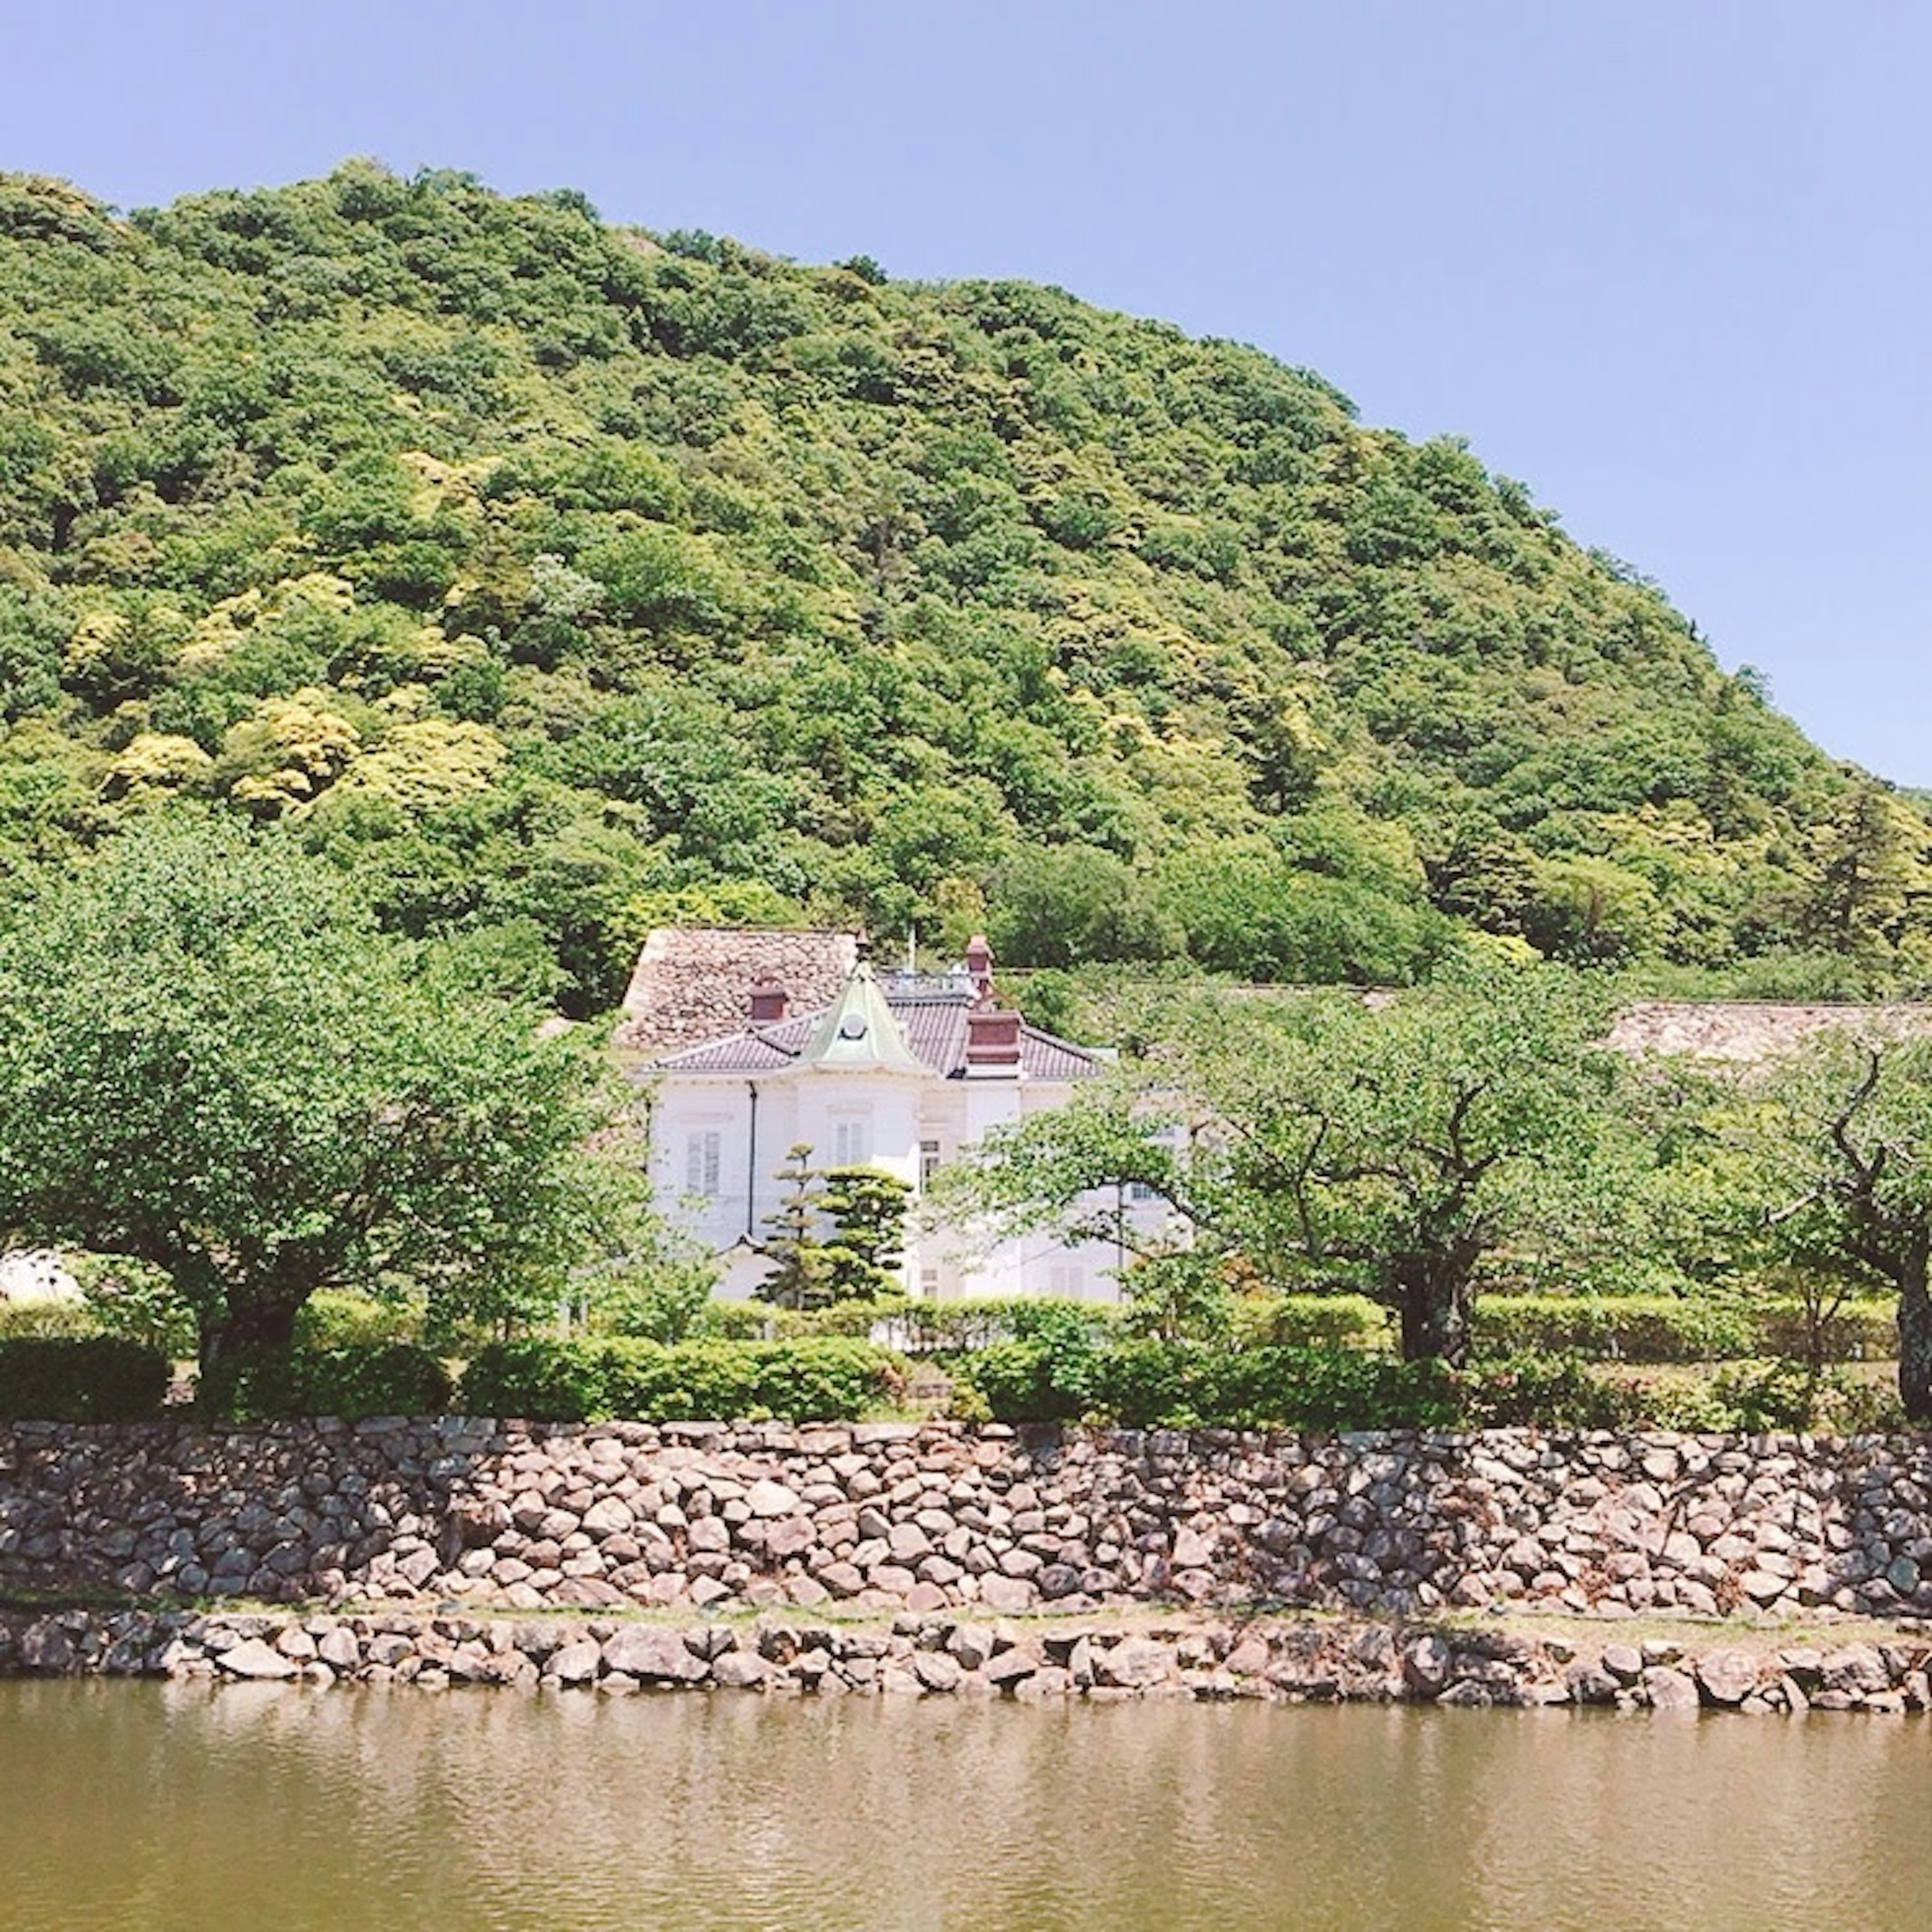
{"x":160,"y":1807}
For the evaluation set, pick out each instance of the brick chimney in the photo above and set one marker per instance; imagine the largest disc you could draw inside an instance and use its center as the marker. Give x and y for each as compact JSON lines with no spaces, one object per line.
{"x":980,"y":965}
{"x":768,"y":1002}
{"x":992,"y":1043}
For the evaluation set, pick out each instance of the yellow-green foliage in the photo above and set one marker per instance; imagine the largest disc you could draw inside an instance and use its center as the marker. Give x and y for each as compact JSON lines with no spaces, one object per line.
{"x":540,"y":572}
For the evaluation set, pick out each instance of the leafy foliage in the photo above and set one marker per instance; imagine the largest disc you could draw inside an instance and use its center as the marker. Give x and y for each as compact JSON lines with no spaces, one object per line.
{"x":86,"y":1378}
{"x":212,"y":1064}
{"x":834,"y":1236}
{"x":1407,"y":1151}
{"x":543,"y":575}
{"x":350,"y":1379}
{"x":825,"y":1379}
{"x":1836,"y":1162}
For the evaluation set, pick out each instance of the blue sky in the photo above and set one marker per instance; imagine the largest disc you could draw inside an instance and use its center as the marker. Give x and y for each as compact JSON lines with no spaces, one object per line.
{"x":1667,"y":263}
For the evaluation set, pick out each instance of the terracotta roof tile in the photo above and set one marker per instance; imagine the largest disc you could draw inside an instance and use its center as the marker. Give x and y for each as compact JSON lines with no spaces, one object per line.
{"x":934,"y":1030}
{"x":693,"y":984}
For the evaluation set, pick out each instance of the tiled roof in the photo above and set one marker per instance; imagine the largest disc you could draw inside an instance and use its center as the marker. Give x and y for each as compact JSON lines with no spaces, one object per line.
{"x":934,"y":1030}
{"x":693,"y":984}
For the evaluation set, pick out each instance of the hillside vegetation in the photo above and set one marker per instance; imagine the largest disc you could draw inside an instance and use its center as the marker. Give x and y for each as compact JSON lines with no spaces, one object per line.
{"x":556,"y":579}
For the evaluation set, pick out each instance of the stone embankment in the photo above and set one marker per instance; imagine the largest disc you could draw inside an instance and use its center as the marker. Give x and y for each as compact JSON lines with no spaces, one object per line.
{"x":1277,"y":1659}
{"x":486,"y":1517}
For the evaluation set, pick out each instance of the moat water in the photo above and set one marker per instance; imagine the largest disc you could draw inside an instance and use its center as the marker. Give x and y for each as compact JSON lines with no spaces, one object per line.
{"x":246,"y":1808}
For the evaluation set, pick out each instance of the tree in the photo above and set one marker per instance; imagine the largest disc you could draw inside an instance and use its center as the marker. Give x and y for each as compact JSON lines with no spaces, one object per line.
{"x":867,"y":1208}
{"x":835,"y":1235}
{"x":799,"y":1277}
{"x":1403,"y":1148}
{"x":1871,"y":872}
{"x":1841,"y":1137}
{"x":211,"y":1061}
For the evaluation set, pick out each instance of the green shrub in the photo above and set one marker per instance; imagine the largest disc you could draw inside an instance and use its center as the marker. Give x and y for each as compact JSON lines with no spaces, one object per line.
{"x":854,"y":1319}
{"x":822,"y":1378}
{"x":1147,"y":1384}
{"x":1335,"y":1389}
{"x":137,"y":1302}
{"x":1308,"y":1322}
{"x":1623,"y":1328}
{"x":743,"y":1321}
{"x":1864,"y":1330}
{"x":1015,"y":1381}
{"x":351,"y":1380}
{"x":1757,"y":1396}
{"x":537,"y":1381}
{"x":1545,"y":1391}
{"x":335,"y":1318}
{"x":62,"y":1320}
{"x":660,"y":1299}
{"x":85,"y":1378}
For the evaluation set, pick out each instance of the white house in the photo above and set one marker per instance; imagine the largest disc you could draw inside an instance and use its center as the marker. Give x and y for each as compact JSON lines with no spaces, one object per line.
{"x":899,"y":1070}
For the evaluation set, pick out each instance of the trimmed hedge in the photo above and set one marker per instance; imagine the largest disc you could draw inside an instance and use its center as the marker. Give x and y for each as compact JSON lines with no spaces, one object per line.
{"x":61,"y":1321}
{"x":1621,"y":1328}
{"x":353,"y":1379}
{"x":84,"y":1379}
{"x":826,"y":1379}
{"x":1658,"y":1328}
{"x":1142,"y":1384}
{"x":1860,"y":1331}
{"x":1309,"y":1321}
{"x":760,"y":1321}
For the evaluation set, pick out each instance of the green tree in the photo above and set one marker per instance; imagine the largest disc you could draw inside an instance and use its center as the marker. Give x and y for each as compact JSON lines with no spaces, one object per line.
{"x":1871,"y":873}
{"x":801,"y":1275}
{"x":1840,"y":1139}
{"x":867,"y":1209}
{"x":1405,"y":1148}
{"x":210,"y":1062}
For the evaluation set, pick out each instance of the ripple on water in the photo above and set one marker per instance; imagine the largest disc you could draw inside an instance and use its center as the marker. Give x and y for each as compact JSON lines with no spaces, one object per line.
{"x":198,"y":1808}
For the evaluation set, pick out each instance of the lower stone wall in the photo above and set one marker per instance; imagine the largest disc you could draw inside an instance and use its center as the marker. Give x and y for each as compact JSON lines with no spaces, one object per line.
{"x":485,"y":1517}
{"x":1279,"y":1659}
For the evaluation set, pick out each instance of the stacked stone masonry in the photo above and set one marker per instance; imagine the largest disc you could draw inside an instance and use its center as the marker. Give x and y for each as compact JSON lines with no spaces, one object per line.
{"x":481,"y":1516}
{"x":947,"y":1654}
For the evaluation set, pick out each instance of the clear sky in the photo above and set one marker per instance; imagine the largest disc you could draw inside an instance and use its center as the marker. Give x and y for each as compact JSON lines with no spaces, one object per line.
{"x":1665,"y":261}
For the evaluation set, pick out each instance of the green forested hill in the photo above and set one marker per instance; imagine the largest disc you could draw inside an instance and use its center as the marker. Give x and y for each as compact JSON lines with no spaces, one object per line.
{"x":559,"y":578}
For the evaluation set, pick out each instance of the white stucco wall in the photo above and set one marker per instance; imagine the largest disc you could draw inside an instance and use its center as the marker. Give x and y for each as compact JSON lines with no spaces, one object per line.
{"x":895,"y":1113}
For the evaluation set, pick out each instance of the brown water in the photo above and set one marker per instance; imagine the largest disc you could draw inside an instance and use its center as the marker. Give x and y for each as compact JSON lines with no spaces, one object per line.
{"x":260,"y":1808}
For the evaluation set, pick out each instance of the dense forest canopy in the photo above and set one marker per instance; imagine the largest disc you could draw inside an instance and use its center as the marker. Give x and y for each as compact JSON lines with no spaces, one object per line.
{"x":556,"y":578}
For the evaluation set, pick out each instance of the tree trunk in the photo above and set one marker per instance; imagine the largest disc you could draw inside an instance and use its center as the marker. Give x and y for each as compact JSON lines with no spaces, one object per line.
{"x":1915,"y":1352}
{"x":1432,"y":1298}
{"x":255,"y":1324}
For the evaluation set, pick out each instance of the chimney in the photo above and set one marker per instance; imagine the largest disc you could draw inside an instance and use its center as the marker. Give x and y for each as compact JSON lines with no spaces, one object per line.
{"x":992,"y":1044}
{"x":980,"y":965}
{"x":768,"y":1002}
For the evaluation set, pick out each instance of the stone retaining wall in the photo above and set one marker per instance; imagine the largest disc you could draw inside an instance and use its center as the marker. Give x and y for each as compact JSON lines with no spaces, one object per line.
{"x":483,"y":1517}
{"x":942,"y":1653}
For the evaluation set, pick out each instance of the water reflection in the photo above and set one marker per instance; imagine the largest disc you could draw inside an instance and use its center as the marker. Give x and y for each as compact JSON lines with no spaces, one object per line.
{"x":165,"y":1807}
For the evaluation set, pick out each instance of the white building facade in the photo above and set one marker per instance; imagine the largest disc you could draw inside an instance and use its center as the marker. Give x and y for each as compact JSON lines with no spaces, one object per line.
{"x":900,"y":1072}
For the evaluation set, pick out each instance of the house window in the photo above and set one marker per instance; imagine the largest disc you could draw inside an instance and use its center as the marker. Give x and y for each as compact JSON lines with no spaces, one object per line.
{"x":703,"y":1162}
{"x":929,"y":1161}
{"x":929,"y":1283}
{"x":851,"y":1143}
